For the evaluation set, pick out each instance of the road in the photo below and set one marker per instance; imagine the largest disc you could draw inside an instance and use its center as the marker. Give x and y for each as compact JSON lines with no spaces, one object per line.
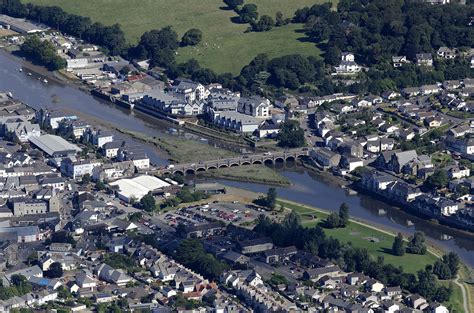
{"x":464,"y":294}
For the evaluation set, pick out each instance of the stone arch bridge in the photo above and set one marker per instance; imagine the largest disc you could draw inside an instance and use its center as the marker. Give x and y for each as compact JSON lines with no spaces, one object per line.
{"x":250,"y":159}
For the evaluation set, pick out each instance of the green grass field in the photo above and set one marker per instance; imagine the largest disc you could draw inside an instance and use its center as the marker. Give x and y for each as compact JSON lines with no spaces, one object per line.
{"x":225,"y":47}
{"x":360,"y":235}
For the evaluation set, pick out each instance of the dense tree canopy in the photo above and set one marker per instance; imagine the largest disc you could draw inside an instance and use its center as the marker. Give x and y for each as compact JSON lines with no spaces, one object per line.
{"x":416,"y":244}
{"x":111,"y":37}
{"x":42,"y":52}
{"x":192,"y":37}
{"x":291,"y":135}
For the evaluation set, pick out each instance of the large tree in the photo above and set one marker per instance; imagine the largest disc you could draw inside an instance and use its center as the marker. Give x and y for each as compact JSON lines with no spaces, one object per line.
{"x":416,"y":244}
{"x":398,"y":245}
{"x":192,"y":37}
{"x":148,"y":202}
{"x":291,"y":135}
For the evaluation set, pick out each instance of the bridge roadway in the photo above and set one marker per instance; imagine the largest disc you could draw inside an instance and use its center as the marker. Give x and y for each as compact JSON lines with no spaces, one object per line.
{"x":249,"y":159}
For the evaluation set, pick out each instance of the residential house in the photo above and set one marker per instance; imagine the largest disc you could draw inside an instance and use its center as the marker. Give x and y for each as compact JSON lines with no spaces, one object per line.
{"x":325,"y":157}
{"x":446,"y":53}
{"x":424,"y":59}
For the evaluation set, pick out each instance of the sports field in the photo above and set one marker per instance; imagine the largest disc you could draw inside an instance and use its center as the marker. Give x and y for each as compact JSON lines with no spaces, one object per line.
{"x":225,"y":46}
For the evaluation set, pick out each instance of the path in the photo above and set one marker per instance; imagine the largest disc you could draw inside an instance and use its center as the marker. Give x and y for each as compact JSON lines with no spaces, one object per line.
{"x":464,"y":294}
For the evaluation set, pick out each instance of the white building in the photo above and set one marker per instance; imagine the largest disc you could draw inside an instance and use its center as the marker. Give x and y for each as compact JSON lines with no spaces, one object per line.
{"x":77,"y":169}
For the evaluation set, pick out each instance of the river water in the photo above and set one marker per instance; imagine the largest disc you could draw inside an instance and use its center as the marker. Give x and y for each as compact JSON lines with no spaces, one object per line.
{"x":307,"y":187}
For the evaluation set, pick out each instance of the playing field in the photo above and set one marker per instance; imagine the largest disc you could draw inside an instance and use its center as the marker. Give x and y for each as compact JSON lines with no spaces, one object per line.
{"x":377,"y":242}
{"x":225,"y":47}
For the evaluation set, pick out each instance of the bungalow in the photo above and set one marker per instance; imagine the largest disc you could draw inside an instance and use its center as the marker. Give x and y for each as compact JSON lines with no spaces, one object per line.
{"x":325,"y":157}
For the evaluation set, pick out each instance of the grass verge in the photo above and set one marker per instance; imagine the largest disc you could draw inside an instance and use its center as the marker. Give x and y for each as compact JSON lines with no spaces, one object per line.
{"x":250,"y":173}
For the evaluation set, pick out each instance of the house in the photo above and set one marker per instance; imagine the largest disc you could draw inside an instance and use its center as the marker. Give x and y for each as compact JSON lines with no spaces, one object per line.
{"x":235,"y":258}
{"x":400,"y":159}
{"x":315,"y":274}
{"x":77,"y":169}
{"x":376,"y":180}
{"x":325,"y":157}
{"x":461,"y":144}
{"x":110,"y":149}
{"x":433,"y":122}
{"x":374,"y":285}
{"x":390,"y":95}
{"x":238,"y":122}
{"x":348,"y":65}
{"x":415,"y":301}
{"x":399,"y":190}
{"x":85,"y":281}
{"x":426,"y":90}
{"x":399,"y":60}
{"x":460,"y":131}
{"x":350,"y":163}
{"x":388,"y":128}
{"x":410,"y":92}
{"x":279,"y":254}
{"x":111,"y":275}
{"x":192,"y":91}
{"x":256,"y":245}
{"x":254,"y":106}
{"x":424,"y":59}
{"x":446,"y":53}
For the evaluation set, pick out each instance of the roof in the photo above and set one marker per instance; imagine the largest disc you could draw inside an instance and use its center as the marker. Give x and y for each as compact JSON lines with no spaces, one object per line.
{"x":139,"y":186}
{"x":52,"y":144}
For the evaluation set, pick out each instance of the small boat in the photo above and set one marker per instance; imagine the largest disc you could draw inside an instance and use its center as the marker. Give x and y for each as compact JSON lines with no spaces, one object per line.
{"x":203,"y":139}
{"x":20,"y":70}
{"x":29,"y":74}
{"x":45,"y":81}
{"x":172,"y":130}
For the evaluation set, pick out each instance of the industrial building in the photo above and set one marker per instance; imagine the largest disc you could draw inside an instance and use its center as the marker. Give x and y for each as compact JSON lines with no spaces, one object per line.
{"x":19,"y":25}
{"x":136,"y":188}
{"x":54,"y":146}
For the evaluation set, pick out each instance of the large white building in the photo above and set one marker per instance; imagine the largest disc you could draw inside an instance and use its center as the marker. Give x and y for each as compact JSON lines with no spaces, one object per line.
{"x":136,"y":188}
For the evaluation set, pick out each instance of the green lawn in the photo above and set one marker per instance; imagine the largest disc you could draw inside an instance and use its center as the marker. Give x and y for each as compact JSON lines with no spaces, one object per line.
{"x":226,"y":45}
{"x":251,"y":173}
{"x":360,"y":236}
{"x":455,"y":303}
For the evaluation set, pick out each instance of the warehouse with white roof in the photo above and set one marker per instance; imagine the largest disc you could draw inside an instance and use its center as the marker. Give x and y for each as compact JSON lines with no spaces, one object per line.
{"x":54,"y":146}
{"x":137,"y":187}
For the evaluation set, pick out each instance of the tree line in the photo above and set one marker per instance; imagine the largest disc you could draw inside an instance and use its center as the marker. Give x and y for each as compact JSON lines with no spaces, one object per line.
{"x":42,"y":52}
{"x":110,"y":38}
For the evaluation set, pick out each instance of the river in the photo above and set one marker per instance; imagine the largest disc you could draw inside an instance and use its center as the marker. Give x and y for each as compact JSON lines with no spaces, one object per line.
{"x":307,"y":187}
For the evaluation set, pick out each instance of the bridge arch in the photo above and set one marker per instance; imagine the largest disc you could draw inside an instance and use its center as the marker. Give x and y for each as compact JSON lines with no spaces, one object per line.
{"x":268,"y":161}
{"x":178,"y":172}
{"x":223,"y":165}
{"x":190,"y":171}
{"x":234,"y":164}
{"x":257,"y":162}
{"x":279,"y":159}
{"x":212,"y":167}
{"x":246,"y":163}
{"x":290,"y":158}
{"x":201,"y":169}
